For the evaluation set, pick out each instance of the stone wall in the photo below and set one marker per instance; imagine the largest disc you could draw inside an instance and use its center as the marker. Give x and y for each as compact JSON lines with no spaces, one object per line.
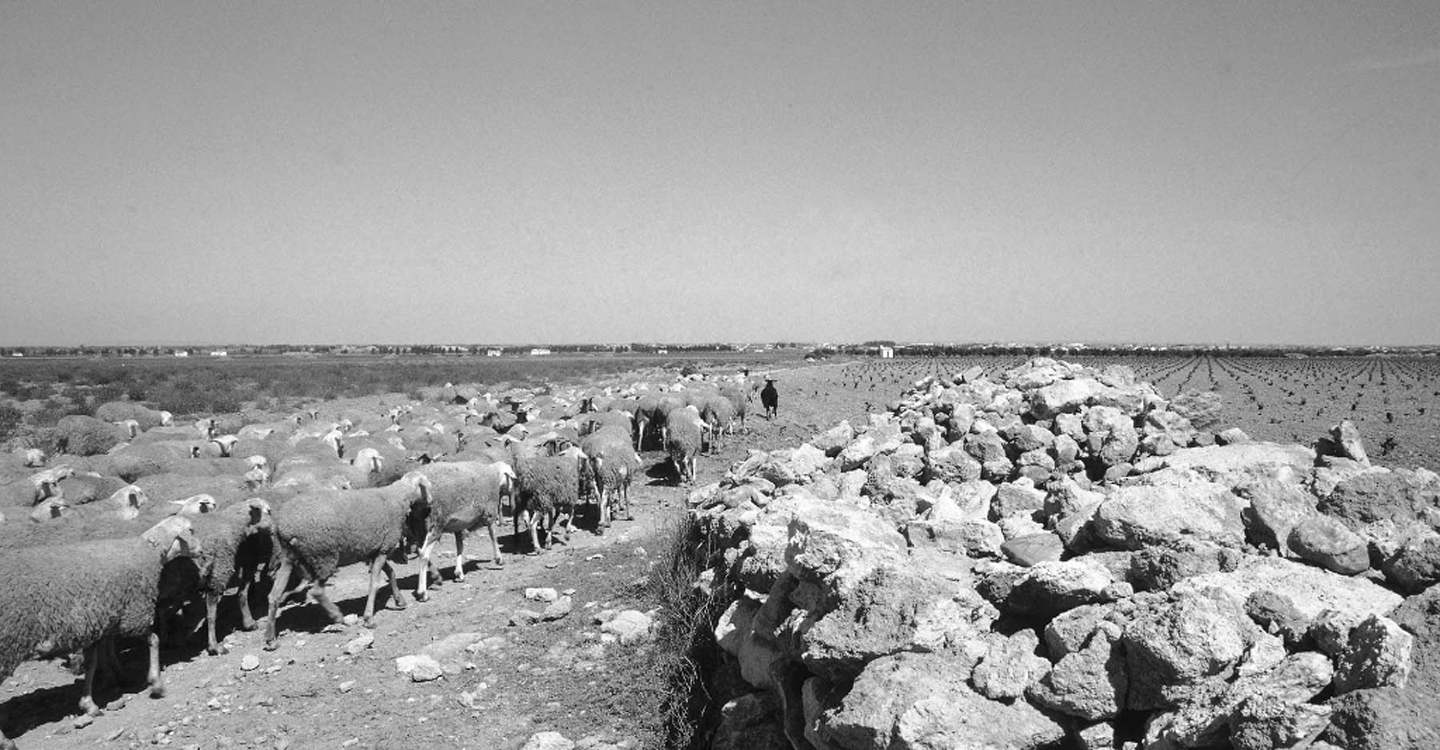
{"x":1056,"y":557}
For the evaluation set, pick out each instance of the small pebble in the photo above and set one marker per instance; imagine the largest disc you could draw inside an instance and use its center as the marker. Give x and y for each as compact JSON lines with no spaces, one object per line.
{"x":249,"y":663}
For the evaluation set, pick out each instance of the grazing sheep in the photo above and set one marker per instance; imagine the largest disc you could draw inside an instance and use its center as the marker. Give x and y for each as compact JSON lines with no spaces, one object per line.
{"x":80,"y":435}
{"x":465,"y":496}
{"x":684,"y":437}
{"x":739,"y":396}
{"x":74,"y":596}
{"x":595,"y":421}
{"x":49,"y":509}
{"x":318,"y":532}
{"x":613,"y":465}
{"x":120,"y":411}
{"x":547,"y":489}
{"x":650,"y":415}
{"x":719,"y":415}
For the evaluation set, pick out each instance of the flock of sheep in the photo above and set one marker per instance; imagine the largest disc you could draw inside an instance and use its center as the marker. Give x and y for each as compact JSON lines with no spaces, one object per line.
{"x":131,"y":517}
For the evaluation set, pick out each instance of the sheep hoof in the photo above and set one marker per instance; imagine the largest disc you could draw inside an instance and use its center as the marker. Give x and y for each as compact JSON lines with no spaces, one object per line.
{"x":88,"y":706}
{"x":247,"y":626}
{"x":370,"y":622}
{"x":420,"y":596}
{"x":217,"y":650}
{"x":271,"y":645}
{"x":157,"y":691}
{"x":398,"y":603}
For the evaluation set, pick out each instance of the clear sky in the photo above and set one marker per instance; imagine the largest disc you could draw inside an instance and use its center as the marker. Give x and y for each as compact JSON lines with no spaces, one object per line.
{"x":231,"y":172}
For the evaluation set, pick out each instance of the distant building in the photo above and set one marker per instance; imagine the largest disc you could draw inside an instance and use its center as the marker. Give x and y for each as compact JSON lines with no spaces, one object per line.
{"x":219,"y":353}
{"x":887,"y":352}
{"x":539,"y":352}
{"x":181,"y":353}
{"x":662,"y":351}
{"x":493,"y":352}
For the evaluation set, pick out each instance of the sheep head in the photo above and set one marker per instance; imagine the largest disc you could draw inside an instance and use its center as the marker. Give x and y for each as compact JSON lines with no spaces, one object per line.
{"x":54,"y":507}
{"x":260,"y":517}
{"x":127,"y":501}
{"x":33,"y":458}
{"x":226,"y":443}
{"x":194,"y":505}
{"x":369,"y":459}
{"x":175,"y":536}
{"x":166,"y":418}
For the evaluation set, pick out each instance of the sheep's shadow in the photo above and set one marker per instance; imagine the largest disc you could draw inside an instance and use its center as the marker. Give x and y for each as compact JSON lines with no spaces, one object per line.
{"x":662,"y":473}
{"x":59,"y":703}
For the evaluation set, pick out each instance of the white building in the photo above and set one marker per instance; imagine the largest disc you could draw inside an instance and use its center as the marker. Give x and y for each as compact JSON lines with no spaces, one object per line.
{"x":887,"y":352}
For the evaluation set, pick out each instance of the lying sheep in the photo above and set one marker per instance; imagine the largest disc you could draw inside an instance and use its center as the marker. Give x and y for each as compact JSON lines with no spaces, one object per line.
{"x":319,"y":532}
{"x":167,"y":434}
{"x":465,"y":496}
{"x":613,"y":464}
{"x":74,"y":596}
{"x":684,"y":437}
{"x":80,"y":435}
{"x":144,"y":416}
{"x":135,"y":461}
{"x":547,"y":489}
{"x":31,"y":490}
{"x":85,"y":487}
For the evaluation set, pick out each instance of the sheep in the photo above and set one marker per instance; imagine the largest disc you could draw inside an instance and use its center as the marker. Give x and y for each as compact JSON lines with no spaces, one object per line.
{"x":135,"y":461}
{"x":70,"y":597}
{"x":31,"y":490}
{"x":166,"y":434}
{"x":770,"y":399}
{"x":718,"y":413}
{"x":613,"y":464}
{"x":50,"y":508}
{"x":651,"y":412}
{"x":80,"y":435}
{"x":595,"y":421}
{"x":547,"y":488}
{"x":165,"y":489}
{"x":234,"y":543}
{"x":684,"y":437}
{"x":465,"y":496}
{"x":318,"y":532}
{"x":738,"y":397}
{"x":82,"y":488}
{"x":194,"y":505}
{"x":120,"y":411}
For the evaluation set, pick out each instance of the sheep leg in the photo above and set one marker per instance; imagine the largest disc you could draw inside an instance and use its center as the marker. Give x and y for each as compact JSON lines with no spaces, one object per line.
{"x":459,"y":555}
{"x":397,"y":599}
{"x":152,"y":678}
{"x":495,"y":545}
{"x":323,"y":599}
{"x":87,"y":699}
{"x":242,"y":594}
{"x":422,"y":589}
{"x":212,"y":602}
{"x":375,"y":566}
{"x":531,"y":522}
{"x":277,"y":593}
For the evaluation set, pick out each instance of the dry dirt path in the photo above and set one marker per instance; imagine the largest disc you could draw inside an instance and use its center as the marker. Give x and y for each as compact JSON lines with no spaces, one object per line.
{"x":522,"y":679}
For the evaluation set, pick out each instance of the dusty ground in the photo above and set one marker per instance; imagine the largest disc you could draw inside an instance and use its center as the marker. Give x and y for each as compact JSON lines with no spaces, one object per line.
{"x":521,"y":680}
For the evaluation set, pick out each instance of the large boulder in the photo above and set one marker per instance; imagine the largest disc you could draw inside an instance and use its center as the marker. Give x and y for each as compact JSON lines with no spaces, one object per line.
{"x":1311,"y":590}
{"x":1172,"y":645}
{"x":1089,"y":682}
{"x":1275,"y":509}
{"x":1396,"y":496}
{"x":1235,"y":464}
{"x":1009,"y":666}
{"x":1328,"y":543}
{"x":925,"y":702}
{"x":1171,"y":506}
{"x":1215,"y":706}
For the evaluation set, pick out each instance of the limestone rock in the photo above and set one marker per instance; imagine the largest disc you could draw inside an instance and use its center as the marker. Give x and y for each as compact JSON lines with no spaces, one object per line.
{"x":1377,"y":655}
{"x":1415,"y":565}
{"x":1009,"y":666}
{"x":1311,"y":590}
{"x":1172,"y":507}
{"x":1328,"y":543}
{"x":1048,"y":588}
{"x":1090,"y":682}
{"x":923,"y":702}
{"x":1173,"y":645}
{"x":1033,"y":548}
{"x":1276,"y":508}
{"x":419,"y":668}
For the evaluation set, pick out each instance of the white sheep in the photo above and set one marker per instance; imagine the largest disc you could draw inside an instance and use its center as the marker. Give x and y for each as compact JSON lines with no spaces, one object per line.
{"x":613,"y":465}
{"x":684,"y":438}
{"x":547,"y":489}
{"x":74,"y":596}
{"x":465,"y":496}
{"x":318,"y":532}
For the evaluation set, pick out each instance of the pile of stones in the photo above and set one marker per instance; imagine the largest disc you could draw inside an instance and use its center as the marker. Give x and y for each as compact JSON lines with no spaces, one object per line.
{"x":1060,"y":557}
